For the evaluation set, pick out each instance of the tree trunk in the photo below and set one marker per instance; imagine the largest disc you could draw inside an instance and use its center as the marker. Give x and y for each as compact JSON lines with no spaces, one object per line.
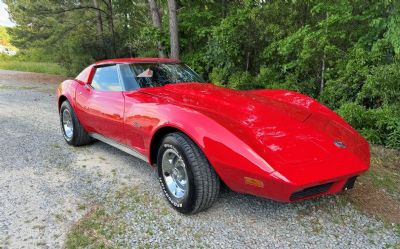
{"x":173,"y":29}
{"x":322,"y":84}
{"x":155,"y":16}
{"x":247,"y":61}
{"x":224,"y":8}
{"x":99,"y":27}
{"x":111,"y":27}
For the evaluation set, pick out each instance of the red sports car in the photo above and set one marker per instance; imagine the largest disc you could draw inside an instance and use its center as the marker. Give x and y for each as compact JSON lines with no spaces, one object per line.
{"x":275,"y":144}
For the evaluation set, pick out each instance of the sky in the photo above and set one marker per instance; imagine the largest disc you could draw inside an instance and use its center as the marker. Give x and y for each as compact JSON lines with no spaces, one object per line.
{"x":4,"y":17}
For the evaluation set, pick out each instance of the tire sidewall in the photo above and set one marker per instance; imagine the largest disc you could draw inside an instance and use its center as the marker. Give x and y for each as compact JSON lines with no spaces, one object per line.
{"x":186,"y":204}
{"x":66,"y":105}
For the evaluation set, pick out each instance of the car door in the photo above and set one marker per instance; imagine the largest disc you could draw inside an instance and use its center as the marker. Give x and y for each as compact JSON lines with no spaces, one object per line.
{"x":135,"y":127}
{"x":101,"y":103}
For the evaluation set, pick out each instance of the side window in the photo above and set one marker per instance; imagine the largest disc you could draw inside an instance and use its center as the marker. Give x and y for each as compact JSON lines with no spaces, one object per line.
{"x":106,"y":79}
{"x":128,"y":77}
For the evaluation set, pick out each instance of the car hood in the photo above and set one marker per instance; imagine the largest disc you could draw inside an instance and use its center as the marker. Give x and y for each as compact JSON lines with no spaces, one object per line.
{"x":286,"y":130}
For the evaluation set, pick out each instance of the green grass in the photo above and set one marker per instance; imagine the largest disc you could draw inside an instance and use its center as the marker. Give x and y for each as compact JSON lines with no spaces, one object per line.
{"x":101,"y":225}
{"x":95,"y":230}
{"x":36,"y":67}
{"x":385,"y":171}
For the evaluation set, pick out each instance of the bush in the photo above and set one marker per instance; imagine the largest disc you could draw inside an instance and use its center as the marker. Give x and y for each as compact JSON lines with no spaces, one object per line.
{"x":371,"y":135}
{"x":393,"y":139}
{"x":218,"y":76}
{"x":242,"y":81}
{"x":354,"y":114}
{"x":269,"y":78}
{"x":382,"y":87}
{"x":380,"y":125}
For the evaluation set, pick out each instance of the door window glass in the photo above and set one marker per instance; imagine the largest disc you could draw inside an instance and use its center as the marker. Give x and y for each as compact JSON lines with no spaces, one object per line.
{"x":106,"y":79}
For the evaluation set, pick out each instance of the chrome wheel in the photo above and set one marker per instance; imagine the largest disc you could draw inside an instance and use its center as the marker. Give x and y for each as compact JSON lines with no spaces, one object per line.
{"x":67,"y":124}
{"x":174,"y":173}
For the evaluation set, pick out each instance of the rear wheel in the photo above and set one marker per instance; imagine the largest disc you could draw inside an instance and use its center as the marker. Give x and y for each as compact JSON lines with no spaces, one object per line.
{"x":187,"y":179}
{"x":72,"y":130}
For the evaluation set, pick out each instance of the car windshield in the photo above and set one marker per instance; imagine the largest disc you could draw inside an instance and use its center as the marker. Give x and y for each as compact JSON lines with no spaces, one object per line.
{"x":156,"y":74}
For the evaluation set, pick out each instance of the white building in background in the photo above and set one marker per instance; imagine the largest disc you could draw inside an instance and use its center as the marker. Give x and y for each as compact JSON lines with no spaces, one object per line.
{"x":7,"y":51}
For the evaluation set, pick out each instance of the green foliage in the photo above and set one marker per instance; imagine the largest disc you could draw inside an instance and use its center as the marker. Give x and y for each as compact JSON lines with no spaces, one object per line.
{"x":354,"y":114}
{"x":380,"y":125}
{"x":345,"y":53}
{"x":269,"y":78}
{"x":382,"y":87}
{"x":218,"y":76}
{"x":4,"y":36}
{"x":352,"y":72}
{"x":241,"y":81}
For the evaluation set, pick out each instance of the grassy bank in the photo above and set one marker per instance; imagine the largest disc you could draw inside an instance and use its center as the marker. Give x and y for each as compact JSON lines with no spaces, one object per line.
{"x":36,"y":67}
{"x":377,"y":192}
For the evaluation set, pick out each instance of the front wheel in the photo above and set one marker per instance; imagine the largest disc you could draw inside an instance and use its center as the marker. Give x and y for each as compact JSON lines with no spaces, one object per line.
{"x":187,"y":179}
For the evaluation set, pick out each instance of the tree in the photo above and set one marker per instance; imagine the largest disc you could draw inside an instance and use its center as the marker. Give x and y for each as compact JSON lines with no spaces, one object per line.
{"x":99,"y":24}
{"x":173,"y":29}
{"x":345,"y":53}
{"x":155,"y":16}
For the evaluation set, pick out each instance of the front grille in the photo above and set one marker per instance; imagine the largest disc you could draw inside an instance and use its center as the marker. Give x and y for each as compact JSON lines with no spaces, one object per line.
{"x":311,"y":191}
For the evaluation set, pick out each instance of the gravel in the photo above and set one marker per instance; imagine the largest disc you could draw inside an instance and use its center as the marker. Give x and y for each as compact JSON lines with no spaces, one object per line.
{"x":47,"y":186}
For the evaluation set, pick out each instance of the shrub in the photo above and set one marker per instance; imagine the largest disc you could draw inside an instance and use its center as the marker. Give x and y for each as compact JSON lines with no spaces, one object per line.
{"x":380,"y":125}
{"x":382,"y":87}
{"x":242,"y":81}
{"x":218,"y":76}
{"x":354,"y":114}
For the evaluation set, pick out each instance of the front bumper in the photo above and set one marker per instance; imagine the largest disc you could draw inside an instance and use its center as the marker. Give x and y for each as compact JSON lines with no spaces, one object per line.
{"x":321,"y":189}
{"x":296,"y":184}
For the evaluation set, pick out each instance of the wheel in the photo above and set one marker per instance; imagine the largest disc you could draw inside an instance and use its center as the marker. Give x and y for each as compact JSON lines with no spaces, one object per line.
{"x":187,"y":179}
{"x":72,"y":130}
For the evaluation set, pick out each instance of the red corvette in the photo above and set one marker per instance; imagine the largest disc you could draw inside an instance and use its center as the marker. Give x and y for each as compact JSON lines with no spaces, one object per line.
{"x":276,"y":144}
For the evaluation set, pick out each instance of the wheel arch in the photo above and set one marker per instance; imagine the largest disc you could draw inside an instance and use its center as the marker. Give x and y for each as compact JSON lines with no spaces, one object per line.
{"x":157,"y":139}
{"x":61,"y":99}
{"x":66,"y":91}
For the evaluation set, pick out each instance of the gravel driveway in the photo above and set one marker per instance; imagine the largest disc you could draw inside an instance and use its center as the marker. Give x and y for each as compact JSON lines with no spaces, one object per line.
{"x":46,"y":186}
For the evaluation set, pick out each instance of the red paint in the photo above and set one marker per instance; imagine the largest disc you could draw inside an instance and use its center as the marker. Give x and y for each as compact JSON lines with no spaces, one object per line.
{"x":101,"y":111}
{"x":283,"y":138}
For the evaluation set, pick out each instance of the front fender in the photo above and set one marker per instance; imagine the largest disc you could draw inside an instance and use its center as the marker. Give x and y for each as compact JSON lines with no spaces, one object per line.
{"x":241,"y":169}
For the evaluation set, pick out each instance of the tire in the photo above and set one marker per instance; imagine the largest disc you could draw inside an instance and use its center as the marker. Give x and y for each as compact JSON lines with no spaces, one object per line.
{"x":73,"y":132}
{"x":179,"y":155}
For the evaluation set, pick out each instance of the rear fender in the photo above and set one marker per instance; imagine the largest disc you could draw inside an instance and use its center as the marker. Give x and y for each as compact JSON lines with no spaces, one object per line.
{"x":67,"y":89}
